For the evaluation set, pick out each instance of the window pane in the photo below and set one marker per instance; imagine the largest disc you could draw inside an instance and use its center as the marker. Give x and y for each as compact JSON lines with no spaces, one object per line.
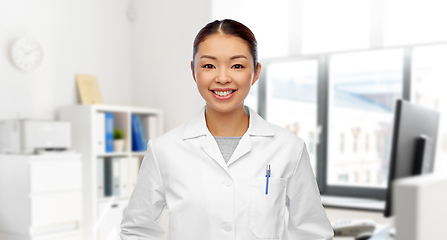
{"x":363,"y":90}
{"x":292,"y":99}
{"x":429,"y":74}
{"x":335,"y":25}
{"x":414,"y":21}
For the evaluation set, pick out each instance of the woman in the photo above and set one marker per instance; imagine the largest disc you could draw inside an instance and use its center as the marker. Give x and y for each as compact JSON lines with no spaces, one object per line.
{"x":211,"y":172}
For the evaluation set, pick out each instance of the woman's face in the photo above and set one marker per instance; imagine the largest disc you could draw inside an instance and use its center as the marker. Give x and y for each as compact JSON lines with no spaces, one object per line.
{"x":224,"y":71}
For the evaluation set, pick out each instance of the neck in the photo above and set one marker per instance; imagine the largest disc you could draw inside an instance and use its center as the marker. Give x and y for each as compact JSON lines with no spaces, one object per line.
{"x":229,"y":124}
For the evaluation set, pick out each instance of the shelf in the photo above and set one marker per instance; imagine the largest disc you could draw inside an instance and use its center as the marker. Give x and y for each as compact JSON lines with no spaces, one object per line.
{"x":138,"y":154}
{"x":114,"y":154}
{"x":111,"y":199}
{"x":88,"y":132}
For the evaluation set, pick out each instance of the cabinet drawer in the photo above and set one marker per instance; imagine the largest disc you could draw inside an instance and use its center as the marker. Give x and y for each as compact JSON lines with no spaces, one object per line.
{"x":55,"y":175}
{"x":56,"y":208}
{"x":110,"y":216}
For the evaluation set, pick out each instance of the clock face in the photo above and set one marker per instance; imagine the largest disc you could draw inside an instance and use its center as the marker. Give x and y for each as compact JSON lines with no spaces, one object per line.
{"x":26,"y":54}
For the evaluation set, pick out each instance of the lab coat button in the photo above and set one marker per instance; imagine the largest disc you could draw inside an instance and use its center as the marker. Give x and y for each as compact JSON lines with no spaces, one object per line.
{"x":228,"y":228}
{"x":228,"y":183}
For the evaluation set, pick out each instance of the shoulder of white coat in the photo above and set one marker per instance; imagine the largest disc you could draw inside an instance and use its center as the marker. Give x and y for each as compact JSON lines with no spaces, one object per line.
{"x":170,"y":137}
{"x":287,"y":136}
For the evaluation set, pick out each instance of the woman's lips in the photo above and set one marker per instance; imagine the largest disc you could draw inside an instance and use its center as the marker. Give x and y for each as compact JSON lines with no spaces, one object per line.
{"x":218,"y":97}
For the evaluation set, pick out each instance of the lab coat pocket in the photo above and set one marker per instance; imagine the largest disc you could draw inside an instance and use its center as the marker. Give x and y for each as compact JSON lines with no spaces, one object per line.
{"x":267,"y":210}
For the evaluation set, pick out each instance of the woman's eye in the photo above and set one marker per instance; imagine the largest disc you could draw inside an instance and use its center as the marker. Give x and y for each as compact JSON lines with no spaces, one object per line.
{"x":208,"y":66}
{"x":238,"y":66}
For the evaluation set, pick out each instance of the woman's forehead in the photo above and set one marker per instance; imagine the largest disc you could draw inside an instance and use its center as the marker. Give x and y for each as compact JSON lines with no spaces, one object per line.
{"x":221,"y":44}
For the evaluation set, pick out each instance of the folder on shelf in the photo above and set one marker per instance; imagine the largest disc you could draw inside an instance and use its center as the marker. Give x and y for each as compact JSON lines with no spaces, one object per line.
{"x":109,"y":131}
{"x":136,"y":144}
{"x":124,"y":177}
{"x":101,"y":132}
{"x":112,"y":176}
{"x":100,"y":172}
{"x":141,"y":134}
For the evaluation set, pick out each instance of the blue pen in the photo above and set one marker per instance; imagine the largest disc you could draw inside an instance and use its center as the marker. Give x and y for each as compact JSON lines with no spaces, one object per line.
{"x":267,"y":175}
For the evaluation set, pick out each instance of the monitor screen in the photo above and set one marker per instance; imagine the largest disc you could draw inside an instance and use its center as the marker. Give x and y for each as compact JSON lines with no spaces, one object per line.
{"x":413,"y":144}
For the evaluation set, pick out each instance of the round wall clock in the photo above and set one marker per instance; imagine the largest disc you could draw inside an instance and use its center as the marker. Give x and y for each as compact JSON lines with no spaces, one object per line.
{"x":26,"y":54}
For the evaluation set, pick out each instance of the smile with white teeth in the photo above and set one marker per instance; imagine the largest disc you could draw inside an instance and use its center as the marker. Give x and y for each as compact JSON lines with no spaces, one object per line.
{"x":223,"y":93}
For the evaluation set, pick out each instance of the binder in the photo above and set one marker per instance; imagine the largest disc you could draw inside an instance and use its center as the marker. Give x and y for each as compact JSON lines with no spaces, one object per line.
{"x":109,"y":131}
{"x":101,"y":132}
{"x":124,"y":177}
{"x":112,"y":176}
{"x":141,"y":134}
{"x":101,"y":179}
{"x":116,"y":176}
{"x":136,"y":142}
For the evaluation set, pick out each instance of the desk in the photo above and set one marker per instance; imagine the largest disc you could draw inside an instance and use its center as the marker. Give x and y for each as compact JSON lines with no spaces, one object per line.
{"x":335,"y":214}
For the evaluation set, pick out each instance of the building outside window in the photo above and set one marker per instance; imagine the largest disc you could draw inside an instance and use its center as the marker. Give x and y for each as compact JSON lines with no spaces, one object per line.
{"x":428,"y":69}
{"x":342,"y":142}
{"x":363,"y":88}
{"x":291,"y":101}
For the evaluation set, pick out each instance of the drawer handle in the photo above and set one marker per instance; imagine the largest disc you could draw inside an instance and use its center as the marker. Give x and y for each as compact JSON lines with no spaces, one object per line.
{"x":114,"y":205}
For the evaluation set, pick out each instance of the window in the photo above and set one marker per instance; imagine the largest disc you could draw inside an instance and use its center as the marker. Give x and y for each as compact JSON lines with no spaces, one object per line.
{"x":342,"y":143}
{"x":311,"y":143}
{"x":344,"y":92}
{"x":367,"y":144}
{"x":428,"y":70}
{"x":291,"y":100}
{"x":355,"y":139}
{"x":363,"y":87}
{"x":343,"y":178}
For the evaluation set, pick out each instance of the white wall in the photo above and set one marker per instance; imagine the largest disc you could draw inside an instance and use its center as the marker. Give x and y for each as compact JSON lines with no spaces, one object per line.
{"x":144,"y":63}
{"x":162,"y":38}
{"x":77,"y":36}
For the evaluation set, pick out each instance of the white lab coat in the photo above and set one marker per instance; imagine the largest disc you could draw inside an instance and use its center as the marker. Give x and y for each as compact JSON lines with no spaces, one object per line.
{"x":209,"y":199}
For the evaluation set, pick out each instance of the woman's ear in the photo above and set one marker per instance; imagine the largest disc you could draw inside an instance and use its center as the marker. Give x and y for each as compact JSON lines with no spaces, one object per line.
{"x":192,"y":71}
{"x":257,"y":73}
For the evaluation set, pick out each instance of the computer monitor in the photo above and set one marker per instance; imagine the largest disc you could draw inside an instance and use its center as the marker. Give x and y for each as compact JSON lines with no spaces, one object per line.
{"x":413,"y":144}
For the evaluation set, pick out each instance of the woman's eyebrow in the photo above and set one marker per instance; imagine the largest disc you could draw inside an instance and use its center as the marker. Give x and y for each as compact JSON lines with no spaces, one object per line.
{"x":208,"y":56}
{"x":238,"y":56}
{"x":232,"y":58}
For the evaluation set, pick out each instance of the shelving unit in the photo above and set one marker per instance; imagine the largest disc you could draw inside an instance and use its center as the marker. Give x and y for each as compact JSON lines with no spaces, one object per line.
{"x":102,"y":214}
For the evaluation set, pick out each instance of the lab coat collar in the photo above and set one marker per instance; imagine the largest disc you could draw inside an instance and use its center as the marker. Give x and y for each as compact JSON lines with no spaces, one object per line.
{"x":257,"y":125}
{"x":197,"y":127}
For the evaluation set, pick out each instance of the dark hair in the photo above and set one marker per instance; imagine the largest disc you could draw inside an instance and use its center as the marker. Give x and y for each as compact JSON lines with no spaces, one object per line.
{"x":228,"y":27}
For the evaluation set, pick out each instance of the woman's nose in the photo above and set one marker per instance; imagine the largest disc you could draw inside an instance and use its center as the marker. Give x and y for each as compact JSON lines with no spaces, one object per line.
{"x":223,"y":77}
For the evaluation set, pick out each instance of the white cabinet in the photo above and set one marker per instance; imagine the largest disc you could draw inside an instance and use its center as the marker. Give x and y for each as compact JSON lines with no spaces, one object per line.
{"x":102,"y":214}
{"x":41,"y":197}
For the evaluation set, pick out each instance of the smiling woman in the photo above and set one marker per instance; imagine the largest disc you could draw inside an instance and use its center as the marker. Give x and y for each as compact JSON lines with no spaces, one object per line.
{"x":211,"y":171}
{"x":224,"y":72}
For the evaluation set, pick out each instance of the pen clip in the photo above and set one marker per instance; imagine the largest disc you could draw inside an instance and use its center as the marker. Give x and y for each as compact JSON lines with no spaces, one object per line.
{"x":268,"y":171}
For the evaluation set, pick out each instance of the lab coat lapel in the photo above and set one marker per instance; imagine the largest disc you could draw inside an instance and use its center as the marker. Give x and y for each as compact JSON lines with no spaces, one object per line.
{"x":209,"y":145}
{"x":257,"y":127}
{"x":197,"y":128}
{"x":243,"y":147}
